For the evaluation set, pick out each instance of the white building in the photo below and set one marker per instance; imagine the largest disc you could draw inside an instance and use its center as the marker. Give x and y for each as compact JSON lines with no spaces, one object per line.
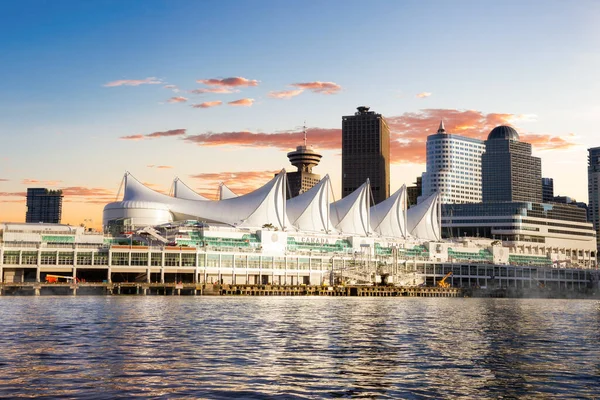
{"x":453,"y":168}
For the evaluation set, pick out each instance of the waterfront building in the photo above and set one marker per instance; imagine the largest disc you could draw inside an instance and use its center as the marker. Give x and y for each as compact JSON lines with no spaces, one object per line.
{"x":547,"y":190}
{"x":366,"y":153}
{"x":594,"y":188}
{"x":453,"y":167}
{"x":509,"y":171}
{"x":304,"y":158}
{"x":44,"y":205}
{"x":414,"y":192}
{"x":558,"y":234}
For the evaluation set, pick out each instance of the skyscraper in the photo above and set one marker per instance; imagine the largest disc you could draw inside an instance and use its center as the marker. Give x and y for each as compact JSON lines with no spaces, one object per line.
{"x":510,"y":172}
{"x":366,"y":153}
{"x":44,"y":205}
{"x":453,"y":167}
{"x":304,"y":159}
{"x":547,"y":190}
{"x":594,"y":189}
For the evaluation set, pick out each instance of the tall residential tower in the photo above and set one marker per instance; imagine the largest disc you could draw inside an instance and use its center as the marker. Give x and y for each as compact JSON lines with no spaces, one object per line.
{"x":366,"y":153}
{"x":453,"y":167}
{"x":44,"y":205}
{"x":594,"y":189}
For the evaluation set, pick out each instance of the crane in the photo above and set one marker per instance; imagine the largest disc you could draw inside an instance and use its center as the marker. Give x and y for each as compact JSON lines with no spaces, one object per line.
{"x":443,"y":283}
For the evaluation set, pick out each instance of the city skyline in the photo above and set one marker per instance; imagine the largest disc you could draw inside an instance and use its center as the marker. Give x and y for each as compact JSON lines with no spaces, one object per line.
{"x":93,"y":91}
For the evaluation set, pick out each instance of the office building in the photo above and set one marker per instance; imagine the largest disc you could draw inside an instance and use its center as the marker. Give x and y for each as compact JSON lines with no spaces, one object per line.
{"x":44,"y":205}
{"x":453,"y":167}
{"x":594,"y":188}
{"x":547,"y":190}
{"x":304,"y":159}
{"x":509,"y":171}
{"x":366,"y":153}
{"x":414,"y":192}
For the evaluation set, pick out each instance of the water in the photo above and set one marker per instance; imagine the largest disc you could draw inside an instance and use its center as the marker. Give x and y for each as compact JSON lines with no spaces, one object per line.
{"x":278,"y":347}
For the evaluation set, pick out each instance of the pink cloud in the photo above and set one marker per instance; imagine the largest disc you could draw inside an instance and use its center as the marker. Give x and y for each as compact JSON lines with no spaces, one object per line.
{"x":422,"y":95}
{"x":208,"y":104}
{"x":174,"y":88}
{"x":319,"y":87}
{"x":177,"y":99}
{"x":221,"y":90}
{"x":4,"y":180}
{"x":233,"y":82}
{"x":134,"y":82}
{"x":170,"y":133}
{"x":159,"y":166}
{"x":242,"y":102}
{"x":241,"y":182}
{"x":285,"y":94}
{"x":38,"y":182}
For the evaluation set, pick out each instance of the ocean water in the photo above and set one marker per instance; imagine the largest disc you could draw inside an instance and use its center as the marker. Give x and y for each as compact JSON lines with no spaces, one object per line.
{"x":298,"y":347}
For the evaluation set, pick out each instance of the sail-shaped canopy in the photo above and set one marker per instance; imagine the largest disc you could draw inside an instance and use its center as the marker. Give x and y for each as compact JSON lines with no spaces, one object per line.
{"x":424,"y":219}
{"x":225,"y":193}
{"x":351,"y":214}
{"x":183,"y":191}
{"x":265,"y":205}
{"x":388,"y":218}
{"x":310,"y":210}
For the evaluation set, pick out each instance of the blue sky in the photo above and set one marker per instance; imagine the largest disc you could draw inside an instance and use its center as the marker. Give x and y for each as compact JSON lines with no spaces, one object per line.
{"x":536,"y":63}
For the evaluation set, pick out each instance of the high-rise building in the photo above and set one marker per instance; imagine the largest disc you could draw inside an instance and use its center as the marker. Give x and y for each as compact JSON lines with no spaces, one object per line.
{"x":414,"y":192}
{"x":547,"y":190}
{"x":453,"y":167}
{"x":594,"y":189}
{"x":44,"y":205}
{"x":304,"y":159}
{"x":366,"y":153}
{"x":509,"y":171}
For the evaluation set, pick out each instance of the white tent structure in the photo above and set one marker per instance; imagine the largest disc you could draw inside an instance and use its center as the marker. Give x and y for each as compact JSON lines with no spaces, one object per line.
{"x":350,"y":215}
{"x":424,"y":219}
{"x":225,"y":193}
{"x":309,"y":211}
{"x":388,"y":218}
{"x":266,"y":205}
{"x":183,"y":191}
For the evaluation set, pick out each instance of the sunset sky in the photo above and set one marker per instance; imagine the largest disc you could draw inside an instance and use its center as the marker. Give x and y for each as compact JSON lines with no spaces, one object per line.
{"x":212,"y":91}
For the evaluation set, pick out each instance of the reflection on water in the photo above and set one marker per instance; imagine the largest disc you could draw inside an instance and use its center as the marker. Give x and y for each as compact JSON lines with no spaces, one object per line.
{"x":106,"y":347}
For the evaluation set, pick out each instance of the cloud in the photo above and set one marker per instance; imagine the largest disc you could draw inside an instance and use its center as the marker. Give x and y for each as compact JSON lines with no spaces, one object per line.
{"x":241,"y":182}
{"x":208,"y":104}
{"x":177,"y":99}
{"x":325,"y":139}
{"x":242,"y":102}
{"x":230,"y":82}
{"x":422,"y":95}
{"x":159,"y":166}
{"x":134,"y":82}
{"x":13,"y":194}
{"x":79,"y":191}
{"x":220,"y":90}
{"x":4,"y":180}
{"x":38,"y":182}
{"x":172,"y":132}
{"x":319,"y":87}
{"x":174,"y":88}
{"x":285,"y":94}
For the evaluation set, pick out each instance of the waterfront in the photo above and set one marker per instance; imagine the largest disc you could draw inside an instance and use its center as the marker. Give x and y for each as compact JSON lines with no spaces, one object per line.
{"x":210,"y":347}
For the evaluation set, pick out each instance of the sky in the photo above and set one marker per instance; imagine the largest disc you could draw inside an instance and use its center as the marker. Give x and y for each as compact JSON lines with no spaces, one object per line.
{"x":218,"y":91}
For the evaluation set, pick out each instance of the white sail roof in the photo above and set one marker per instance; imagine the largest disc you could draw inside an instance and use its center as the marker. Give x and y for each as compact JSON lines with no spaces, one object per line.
{"x":310,"y":210}
{"x":424,"y":219}
{"x":265,"y":205}
{"x":225,"y":193}
{"x":351,"y":214}
{"x":388,"y":218}
{"x":183,"y":191}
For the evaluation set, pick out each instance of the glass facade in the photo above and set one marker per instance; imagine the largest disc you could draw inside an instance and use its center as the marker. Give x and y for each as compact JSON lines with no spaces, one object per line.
{"x":510,"y":172}
{"x":44,"y":205}
{"x":366,"y":153}
{"x":594,"y":189}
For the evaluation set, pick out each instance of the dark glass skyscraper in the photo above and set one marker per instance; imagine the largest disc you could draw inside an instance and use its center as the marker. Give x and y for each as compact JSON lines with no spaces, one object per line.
{"x":547,"y":190}
{"x":44,"y":205}
{"x":509,"y":171}
{"x":594,"y":190}
{"x":366,"y":153}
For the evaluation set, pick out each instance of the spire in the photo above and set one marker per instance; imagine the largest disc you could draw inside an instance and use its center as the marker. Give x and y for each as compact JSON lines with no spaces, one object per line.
{"x":441,"y":129}
{"x":304,"y":129}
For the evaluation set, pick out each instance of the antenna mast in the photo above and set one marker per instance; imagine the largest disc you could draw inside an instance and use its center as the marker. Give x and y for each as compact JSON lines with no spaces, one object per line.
{"x":304,"y":129}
